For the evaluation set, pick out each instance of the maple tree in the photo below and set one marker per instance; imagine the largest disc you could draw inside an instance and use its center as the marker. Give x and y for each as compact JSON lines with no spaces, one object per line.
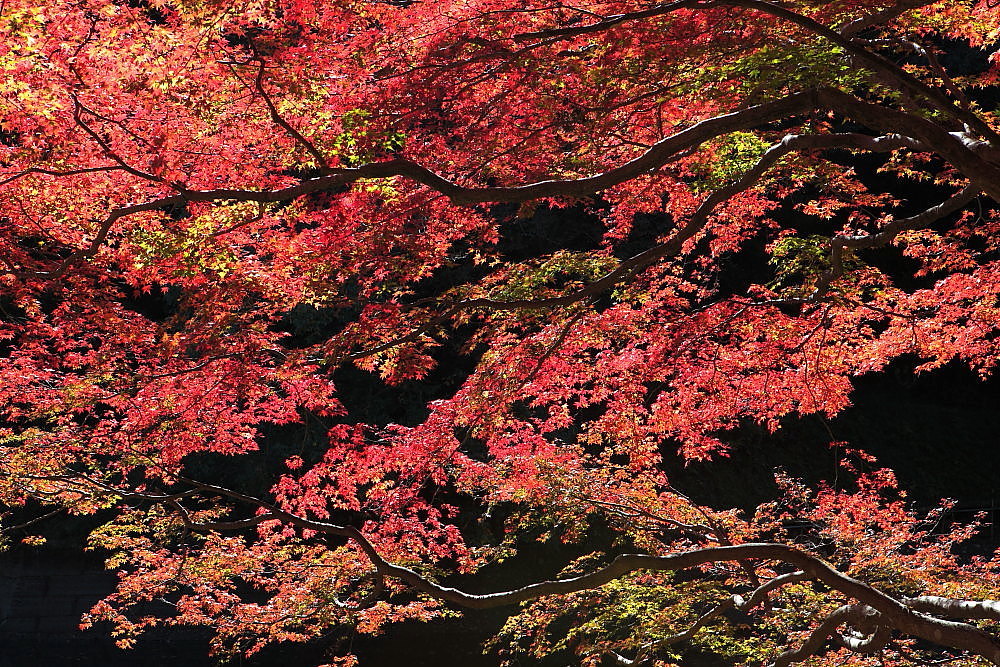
{"x":209,"y":208}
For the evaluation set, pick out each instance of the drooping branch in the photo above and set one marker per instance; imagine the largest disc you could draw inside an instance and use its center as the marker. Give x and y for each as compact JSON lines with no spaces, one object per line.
{"x":930,"y":137}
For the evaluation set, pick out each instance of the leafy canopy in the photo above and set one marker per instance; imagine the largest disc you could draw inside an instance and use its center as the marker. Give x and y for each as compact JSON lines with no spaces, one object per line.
{"x":208,"y":209}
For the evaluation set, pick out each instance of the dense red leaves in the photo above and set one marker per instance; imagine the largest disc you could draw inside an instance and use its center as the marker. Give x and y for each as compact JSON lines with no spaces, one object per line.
{"x":184,"y":185}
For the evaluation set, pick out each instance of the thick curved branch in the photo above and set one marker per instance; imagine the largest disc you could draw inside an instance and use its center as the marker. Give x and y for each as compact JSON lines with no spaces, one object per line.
{"x":890,"y":71}
{"x":860,"y":617}
{"x":918,"y":134}
{"x":630,"y":267}
{"x":869,"y":635}
{"x":658,"y":155}
{"x":870,"y":644}
{"x":897,"y":615}
{"x":933,"y":604}
{"x":887,"y":610}
{"x":964,"y":155}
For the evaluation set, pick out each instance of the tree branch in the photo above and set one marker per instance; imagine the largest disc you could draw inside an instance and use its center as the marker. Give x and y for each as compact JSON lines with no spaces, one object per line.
{"x":78,"y":109}
{"x":852,"y":28}
{"x":920,"y":134}
{"x":871,"y":61}
{"x":658,"y":155}
{"x":841,"y":244}
{"x":60,"y":172}
{"x":703,"y":620}
{"x":760,"y":593}
{"x":816,"y":639}
{"x":932,"y":604}
{"x":952,"y":147}
{"x":885,"y":609}
{"x":276,"y":117}
{"x":630,"y":267}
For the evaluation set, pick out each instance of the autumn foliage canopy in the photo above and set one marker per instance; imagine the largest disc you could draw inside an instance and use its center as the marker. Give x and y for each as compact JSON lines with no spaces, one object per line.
{"x":216,"y":216}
